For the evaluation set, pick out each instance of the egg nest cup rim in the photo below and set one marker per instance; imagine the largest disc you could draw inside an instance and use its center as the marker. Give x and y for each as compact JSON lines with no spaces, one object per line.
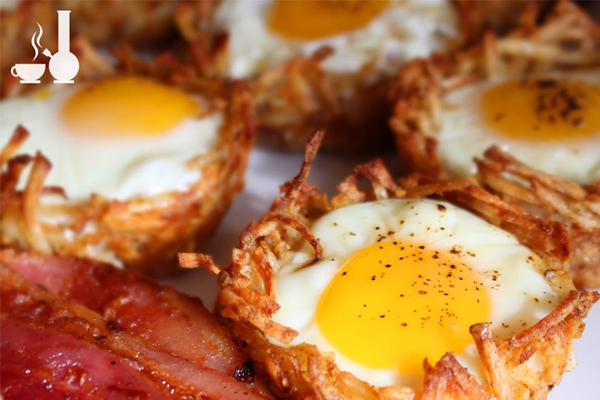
{"x":142,"y":233}
{"x":533,"y":47}
{"x":248,"y":294}
{"x":299,"y":95}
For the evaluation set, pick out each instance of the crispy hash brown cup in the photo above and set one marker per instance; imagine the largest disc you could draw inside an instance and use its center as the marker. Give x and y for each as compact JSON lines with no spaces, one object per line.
{"x":249,"y":299}
{"x":567,"y":39}
{"x":552,"y":198}
{"x":300,"y":95}
{"x":142,"y":233}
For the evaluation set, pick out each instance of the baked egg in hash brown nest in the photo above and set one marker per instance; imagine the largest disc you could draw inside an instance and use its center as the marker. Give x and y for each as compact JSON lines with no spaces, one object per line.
{"x":533,"y":95}
{"x":360,"y":297}
{"x":141,"y":24}
{"x":334,"y":72}
{"x":141,"y":163}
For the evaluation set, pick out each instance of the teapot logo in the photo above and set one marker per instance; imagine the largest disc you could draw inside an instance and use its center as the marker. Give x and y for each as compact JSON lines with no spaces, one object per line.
{"x":63,"y":65}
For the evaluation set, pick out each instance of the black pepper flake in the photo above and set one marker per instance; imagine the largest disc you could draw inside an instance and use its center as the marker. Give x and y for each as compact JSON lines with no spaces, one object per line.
{"x":245,"y":373}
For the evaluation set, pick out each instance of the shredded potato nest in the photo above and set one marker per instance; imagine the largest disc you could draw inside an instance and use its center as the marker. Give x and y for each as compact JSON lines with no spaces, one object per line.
{"x":552,"y":198}
{"x":299,"y":96}
{"x":567,"y":38}
{"x":142,"y":233}
{"x":248,"y":295}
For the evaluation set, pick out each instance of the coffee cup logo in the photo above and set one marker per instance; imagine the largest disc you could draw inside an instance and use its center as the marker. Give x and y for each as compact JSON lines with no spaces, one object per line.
{"x":63,"y":65}
{"x":29,"y":73}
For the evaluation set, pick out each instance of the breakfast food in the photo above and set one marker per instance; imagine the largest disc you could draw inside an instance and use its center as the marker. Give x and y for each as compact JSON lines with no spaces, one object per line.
{"x":75,"y":328}
{"x":552,"y":198}
{"x":530,"y":94}
{"x":533,"y":92}
{"x":423,"y":289}
{"x":144,"y":24}
{"x":330,"y":73}
{"x":136,"y":166}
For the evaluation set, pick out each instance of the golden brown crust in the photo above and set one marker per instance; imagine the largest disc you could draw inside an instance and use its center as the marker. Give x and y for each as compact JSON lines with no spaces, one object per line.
{"x":476,"y":17}
{"x":299,"y":96}
{"x":567,"y":38}
{"x":248,"y":296}
{"x":147,"y":233}
{"x":552,"y":198}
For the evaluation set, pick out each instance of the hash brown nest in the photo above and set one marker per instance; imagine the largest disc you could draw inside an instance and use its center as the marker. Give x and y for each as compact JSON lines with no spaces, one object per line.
{"x":248,"y":296}
{"x":567,"y":38}
{"x":299,"y":96}
{"x":142,"y":233}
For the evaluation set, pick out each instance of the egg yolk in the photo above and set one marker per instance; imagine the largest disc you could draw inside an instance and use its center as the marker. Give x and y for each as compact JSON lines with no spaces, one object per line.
{"x":130,"y":106}
{"x":317,"y":19}
{"x":543,"y":109}
{"x":394,"y":304}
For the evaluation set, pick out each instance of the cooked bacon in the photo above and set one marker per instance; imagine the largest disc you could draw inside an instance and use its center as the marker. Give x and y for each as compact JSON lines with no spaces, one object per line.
{"x":41,"y":364}
{"x":164,"y":318}
{"x":65,"y":327}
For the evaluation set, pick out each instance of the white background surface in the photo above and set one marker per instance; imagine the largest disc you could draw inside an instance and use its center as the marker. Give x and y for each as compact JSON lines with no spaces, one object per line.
{"x":267,"y":170}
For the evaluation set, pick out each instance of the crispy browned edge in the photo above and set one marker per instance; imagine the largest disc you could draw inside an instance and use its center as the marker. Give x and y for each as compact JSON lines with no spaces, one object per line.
{"x":299,"y":96}
{"x":144,"y":234}
{"x":552,"y":198}
{"x":567,"y":38}
{"x":248,"y":295}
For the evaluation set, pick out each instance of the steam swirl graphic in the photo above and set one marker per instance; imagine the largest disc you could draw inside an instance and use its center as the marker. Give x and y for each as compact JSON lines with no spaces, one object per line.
{"x":35,"y":40}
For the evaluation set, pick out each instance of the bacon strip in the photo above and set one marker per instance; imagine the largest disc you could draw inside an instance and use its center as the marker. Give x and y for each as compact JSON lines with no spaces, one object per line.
{"x":41,"y":364}
{"x":164,"y":318}
{"x":30,"y":310}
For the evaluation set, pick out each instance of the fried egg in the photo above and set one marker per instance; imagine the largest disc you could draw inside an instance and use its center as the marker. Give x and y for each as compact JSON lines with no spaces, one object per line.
{"x":550,"y":122}
{"x":121,"y":137}
{"x":265,"y":33}
{"x":403,"y":280}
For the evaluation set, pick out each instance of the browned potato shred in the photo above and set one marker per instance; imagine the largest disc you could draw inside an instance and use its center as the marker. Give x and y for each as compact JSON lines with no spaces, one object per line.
{"x":145,"y":233}
{"x":566,"y":38}
{"x":248,"y":295}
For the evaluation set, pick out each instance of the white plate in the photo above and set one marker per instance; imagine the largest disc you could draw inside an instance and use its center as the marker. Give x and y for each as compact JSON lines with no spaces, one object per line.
{"x":267,"y":170}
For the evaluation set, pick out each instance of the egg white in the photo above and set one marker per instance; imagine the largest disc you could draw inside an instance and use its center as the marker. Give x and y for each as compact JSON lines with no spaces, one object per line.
{"x":116,"y":167}
{"x":521,"y":296}
{"x":405,"y":30}
{"x":463,"y":135}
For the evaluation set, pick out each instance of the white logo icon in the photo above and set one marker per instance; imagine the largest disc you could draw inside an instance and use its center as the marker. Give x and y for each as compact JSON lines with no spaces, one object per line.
{"x":63,"y":65}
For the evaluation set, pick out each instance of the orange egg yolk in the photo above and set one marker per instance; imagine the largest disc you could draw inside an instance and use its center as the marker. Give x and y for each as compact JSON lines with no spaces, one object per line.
{"x":317,"y":19}
{"x":129,"y":106}
{"x":543,"y":109}
{"x":394,"y":304}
